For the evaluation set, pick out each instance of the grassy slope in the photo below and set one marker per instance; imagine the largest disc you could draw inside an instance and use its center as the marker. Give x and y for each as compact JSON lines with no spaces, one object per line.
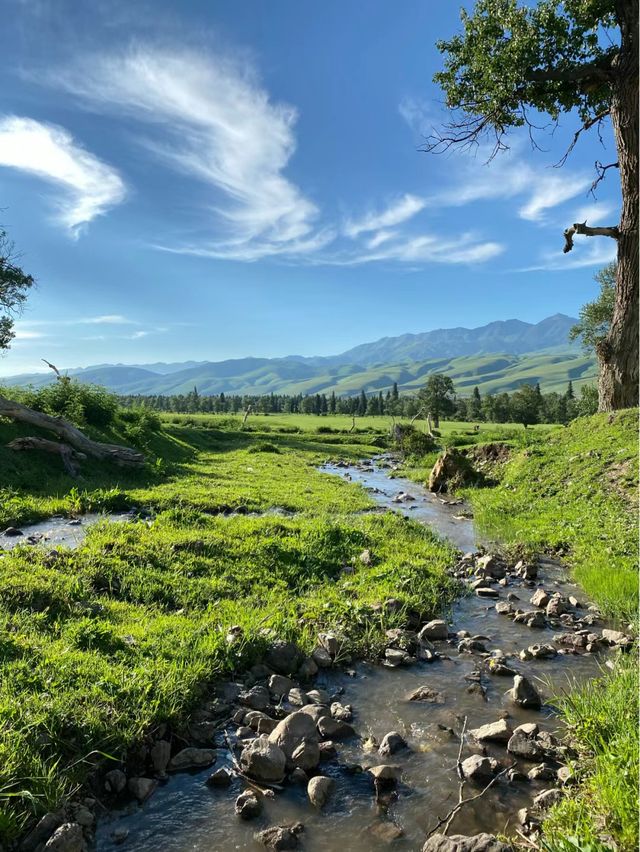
{"x":102,"y":642}
{"x":576,"y":490}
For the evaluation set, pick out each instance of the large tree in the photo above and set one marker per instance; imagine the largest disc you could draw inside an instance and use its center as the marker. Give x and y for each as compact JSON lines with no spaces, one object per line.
{"x":436,"y":397}
{"x":514,"y":61}
{"x":14,"y":286}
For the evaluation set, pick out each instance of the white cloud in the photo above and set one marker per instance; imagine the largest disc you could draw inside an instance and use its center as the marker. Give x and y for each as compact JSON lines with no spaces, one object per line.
{"x":549,"y":191}
{"x":91,"y":187}
{"x":381,"y":237}
{"x":24,"y":334}
{"x":138,"y":334}
{"x":399,"y":211}
{"x":598,"y":252}
{"x":427,"y":248}
{"x":218,"y":125}
{"x":595,"y":213}
{"x":107,"y":319}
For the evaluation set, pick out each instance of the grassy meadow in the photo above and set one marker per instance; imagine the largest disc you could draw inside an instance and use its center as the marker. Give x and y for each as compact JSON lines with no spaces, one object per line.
{"x":239,"y":528}
{"x":102,"y":642}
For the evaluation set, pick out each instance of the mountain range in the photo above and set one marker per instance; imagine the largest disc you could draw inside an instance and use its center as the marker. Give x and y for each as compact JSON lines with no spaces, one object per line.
{"x":496,"y":357}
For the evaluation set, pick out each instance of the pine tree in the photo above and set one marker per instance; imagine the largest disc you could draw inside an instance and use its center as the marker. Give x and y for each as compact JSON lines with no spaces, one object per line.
{"x":570,"y":394}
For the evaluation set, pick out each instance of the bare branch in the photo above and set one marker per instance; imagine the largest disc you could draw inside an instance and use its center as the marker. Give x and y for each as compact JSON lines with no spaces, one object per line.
{"x":53,"y":367}
{"x":601,"y":170}
{"x":585,"y":230}
{"x":586,"y":126}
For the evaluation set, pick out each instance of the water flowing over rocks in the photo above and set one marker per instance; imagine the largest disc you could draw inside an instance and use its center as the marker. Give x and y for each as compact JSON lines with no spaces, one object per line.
{"x":303,"y":736}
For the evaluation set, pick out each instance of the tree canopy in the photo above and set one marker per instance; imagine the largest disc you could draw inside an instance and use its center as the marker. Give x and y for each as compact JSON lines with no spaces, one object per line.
{"x":595,"y":317}
{"x":14,"y":286}
{"x":517,"y":65}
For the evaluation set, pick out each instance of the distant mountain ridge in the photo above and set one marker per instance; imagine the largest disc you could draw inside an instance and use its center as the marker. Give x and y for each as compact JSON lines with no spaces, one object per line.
{"x":498,"y":356}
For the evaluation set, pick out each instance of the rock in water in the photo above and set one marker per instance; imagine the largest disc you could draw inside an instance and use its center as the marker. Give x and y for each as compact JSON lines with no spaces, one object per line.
{"x":281,"y":836}
{"x":436,"y":629}
{"x":298,"y":729}
{"x":499,"y":731}
{"x":67,"y":838}
{"x":319,"y":789}
{"x":464,"y":843}
{"x":452,"y":468}
{"x":263,"y":760}
{"x":523,"y":745}
{"x":524,"y":693}
{"x":192,"y":758}
{"x":478,"y":768}
{"x":391,"y":743}
{"x":248,"y":805}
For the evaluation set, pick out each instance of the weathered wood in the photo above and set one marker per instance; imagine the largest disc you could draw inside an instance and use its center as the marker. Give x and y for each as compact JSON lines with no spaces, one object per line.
{"x":122,"y":456}
{"x":69,"y":456}
{"x":585,"y":230}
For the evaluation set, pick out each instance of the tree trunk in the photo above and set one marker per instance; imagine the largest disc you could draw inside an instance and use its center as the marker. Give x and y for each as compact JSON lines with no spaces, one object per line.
{"x":123,"y":456}
{"x":618,"y":354}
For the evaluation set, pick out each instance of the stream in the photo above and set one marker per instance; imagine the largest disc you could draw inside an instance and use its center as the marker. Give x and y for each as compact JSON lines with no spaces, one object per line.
{"x":185,"y":814}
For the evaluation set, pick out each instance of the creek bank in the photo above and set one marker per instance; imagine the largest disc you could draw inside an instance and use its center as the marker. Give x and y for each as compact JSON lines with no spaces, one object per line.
{"x":59,"y":531}
{"x":263,"y":714}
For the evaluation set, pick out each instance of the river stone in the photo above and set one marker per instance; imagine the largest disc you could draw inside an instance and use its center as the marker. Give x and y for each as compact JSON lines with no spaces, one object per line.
{"x":308,"y":669}
{"x":556,"y":605}
{"x":487,"y":592}
{"x":426,"y":693}
{"x":42,"y":831}
{"x":319,"y":789}
{"x":315,"y":711}
{"x":334,"y":729}
{"x":297,"y":697}
{"x":115,"y":781}
{"x":341,"y":712}
{"x":524,"y":746}
{"x":547,"y":798}
{"x":319,"y":696}
{"x":292,"y":731}
{"x":499,"y":732}
{"x":391,"y":743}
{"x":248,"y":805}
{"x":321,"y":658}
{"x":279,"y":837}
{"x":192,"y":758}
{"x":499,"y":668}
{"x":540,"y":598}
{"x":614,"y":637}
{"x":542,"y":772}
{"x":492,"y":566}
{"x":67,"y":838}
{"x":504,"y":608}
{"x":385,"y":773}
{"x":478,"y":768}
{"x":330,"y":642}
{"x":284,"y":658}
{"x":263,"y":759}
{"x":471,"y":646}
{"x":328,"y":750}
{"x":252,"y":718}
{"x":257,"y":698}
{"x":280,"y":685}
{"x":542,"y":652}
{"x":464,"y":843}
{"x":436,"y":629}
{"x":220,"y":778}
{"x":307,"y":755}
{"x":142,"y":788}
{"x":524,"y":693}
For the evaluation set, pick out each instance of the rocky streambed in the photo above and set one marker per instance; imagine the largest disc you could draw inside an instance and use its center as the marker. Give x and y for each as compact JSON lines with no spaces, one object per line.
{"x":323,"y":754}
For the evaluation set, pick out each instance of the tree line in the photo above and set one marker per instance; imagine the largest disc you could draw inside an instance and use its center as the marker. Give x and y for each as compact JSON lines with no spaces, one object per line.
{"x":527,"y":405}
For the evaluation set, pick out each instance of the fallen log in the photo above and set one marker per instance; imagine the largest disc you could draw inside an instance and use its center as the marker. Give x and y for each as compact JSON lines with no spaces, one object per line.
{"x":122,"y":456}
{"x":69,"y":456}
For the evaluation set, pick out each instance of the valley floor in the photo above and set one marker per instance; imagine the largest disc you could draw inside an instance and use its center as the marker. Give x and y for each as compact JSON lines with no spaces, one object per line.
{"x":239,"y":529}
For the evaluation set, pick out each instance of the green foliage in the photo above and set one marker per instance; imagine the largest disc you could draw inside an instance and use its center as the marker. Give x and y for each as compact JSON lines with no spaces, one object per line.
{"x":81,"y":404}
{"x":603,"y":718}
{"x":436,"y":397}
{"x":411,"y":442}
{"x":596,"y":316}
{"x":14,"y":286}
{"x":513,"y":57}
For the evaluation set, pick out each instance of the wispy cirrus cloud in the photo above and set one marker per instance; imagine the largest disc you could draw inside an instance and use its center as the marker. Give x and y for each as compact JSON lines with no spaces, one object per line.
{"x":106,"y":319}
{"x":211,"y":118}
{"x":599,"y":252}
{"x":396,"y":213}
{"x":90,"y":187}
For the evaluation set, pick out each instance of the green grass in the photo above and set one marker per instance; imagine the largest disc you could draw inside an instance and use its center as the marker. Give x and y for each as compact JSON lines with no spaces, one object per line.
{"x":574,"y":490}
{"x":101,"y":643}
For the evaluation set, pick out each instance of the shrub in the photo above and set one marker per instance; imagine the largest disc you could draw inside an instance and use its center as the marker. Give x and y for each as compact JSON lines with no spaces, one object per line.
{"x":410,"y":441}
{"x":264,"y":447}
{"x":89,"y":405}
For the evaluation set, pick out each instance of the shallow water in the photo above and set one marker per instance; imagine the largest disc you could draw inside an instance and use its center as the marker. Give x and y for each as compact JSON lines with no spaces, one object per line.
{"x":184,"y":814}
{"x":58,"y":531}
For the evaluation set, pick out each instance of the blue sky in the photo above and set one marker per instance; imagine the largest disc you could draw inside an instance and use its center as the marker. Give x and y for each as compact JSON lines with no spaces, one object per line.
{"x":207,"y":180}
